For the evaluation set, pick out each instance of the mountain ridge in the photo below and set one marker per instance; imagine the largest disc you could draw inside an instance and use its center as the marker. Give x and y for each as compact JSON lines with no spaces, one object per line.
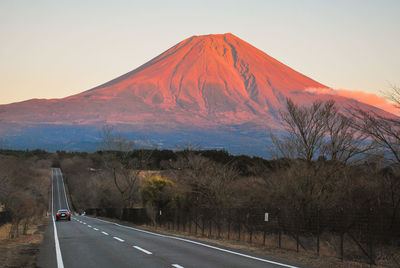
{"x":207,"y":83}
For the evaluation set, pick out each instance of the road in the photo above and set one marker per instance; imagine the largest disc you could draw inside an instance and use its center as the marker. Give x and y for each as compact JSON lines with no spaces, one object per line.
{"x":90,"y":242}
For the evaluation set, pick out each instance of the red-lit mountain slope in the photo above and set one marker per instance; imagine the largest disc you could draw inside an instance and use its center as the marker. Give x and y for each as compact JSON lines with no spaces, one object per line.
{"x":203,"y":81}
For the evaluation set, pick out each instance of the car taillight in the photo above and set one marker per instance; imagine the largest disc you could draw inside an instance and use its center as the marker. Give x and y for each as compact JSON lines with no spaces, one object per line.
{"x":58,"y":214}
{"x":67,"y":214}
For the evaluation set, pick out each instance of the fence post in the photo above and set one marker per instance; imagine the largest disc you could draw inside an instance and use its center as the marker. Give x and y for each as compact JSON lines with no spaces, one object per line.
{"x":341,"y":245}
{"x":371,"y":250}
{"x":202,"y":225}
{"x":239,"y":232}
{"x":229,"y":228}
{"x":297,"y":231}
{"x":219,"y":225}
{"x":279,"y":238}
{"x":279,"y":229}
{"x":195,"y":226}
{"x":190,"y":224}
{"x":318,"y":231}
{"x":195,"y":223}
{"x":265,"y":234}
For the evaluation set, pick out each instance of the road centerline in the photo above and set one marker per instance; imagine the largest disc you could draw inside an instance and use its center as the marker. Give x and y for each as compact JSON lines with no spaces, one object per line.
{"x":119,"y":239}
{"x":143,"y":250}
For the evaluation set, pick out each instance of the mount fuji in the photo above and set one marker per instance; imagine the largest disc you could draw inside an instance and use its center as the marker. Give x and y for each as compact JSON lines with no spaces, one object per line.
{"x":216,"y":91}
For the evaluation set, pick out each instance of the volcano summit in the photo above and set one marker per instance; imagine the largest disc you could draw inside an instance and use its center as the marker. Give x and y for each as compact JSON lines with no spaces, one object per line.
{"x":214,"y":90}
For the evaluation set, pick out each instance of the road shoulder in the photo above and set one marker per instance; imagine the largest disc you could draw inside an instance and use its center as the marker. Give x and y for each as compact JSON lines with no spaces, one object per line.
{"x":47,"y":252}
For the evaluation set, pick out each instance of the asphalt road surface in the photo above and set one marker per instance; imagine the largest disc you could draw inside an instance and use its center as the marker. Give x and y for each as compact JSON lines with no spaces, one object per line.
{"x":90,"y":242}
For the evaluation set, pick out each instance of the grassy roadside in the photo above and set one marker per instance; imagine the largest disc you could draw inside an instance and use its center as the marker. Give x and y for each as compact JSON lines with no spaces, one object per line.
{"x":21,"y":251}
{"x":275,"y":254}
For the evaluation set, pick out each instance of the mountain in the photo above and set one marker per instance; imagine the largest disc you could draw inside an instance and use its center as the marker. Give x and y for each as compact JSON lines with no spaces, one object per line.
{"x":216,"y":90}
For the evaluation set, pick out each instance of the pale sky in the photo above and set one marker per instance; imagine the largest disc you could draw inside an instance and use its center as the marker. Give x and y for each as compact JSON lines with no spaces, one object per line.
{"x":53,"y":49}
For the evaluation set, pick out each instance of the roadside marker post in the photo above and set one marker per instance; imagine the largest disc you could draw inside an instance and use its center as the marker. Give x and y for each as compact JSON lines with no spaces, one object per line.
{"x":266,"y":218}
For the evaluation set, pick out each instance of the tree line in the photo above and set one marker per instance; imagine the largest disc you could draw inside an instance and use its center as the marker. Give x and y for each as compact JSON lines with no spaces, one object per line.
{"x":24,"y":188}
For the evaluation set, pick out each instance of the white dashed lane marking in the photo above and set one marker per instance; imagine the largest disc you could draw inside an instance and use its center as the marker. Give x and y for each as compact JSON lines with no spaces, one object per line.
{"x":142,"y":250}
{"x":104,"y":233}
{"x":90,"y":226}
{"x":200,"y":244}
{"x":119,"y":239}
{"x":95,"y":229}
{"x":177,"y":266}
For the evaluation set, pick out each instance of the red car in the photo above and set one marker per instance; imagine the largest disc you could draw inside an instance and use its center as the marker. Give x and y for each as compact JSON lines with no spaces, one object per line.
{"x":63,"y":214}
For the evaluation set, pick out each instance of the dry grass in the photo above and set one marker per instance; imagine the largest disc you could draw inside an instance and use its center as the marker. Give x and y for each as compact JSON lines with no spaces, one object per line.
{"x":21,"y":251}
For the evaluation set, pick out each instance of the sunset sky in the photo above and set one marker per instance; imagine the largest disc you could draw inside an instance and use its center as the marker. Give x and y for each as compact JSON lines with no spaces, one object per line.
{"x":51,"y":49}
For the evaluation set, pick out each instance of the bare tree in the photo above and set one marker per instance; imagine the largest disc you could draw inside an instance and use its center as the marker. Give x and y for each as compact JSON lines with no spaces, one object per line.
{"x":208,"y":183}
{"x":125,"y":159}
{"x":313,"y":134}
{"x":393,"y":95}
{"x":385,"y":131}
{"x":343,"y":141}
{"x":318,"y":131}
{"x":304,"y":131}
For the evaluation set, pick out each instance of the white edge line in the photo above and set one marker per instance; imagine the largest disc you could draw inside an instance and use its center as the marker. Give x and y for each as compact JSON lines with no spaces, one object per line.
{"x":177,"y":266}
{"x":119,"y":239}
{"x":200,"y":244}
{"x":60,"y":263}
{"x":143,"y":250}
